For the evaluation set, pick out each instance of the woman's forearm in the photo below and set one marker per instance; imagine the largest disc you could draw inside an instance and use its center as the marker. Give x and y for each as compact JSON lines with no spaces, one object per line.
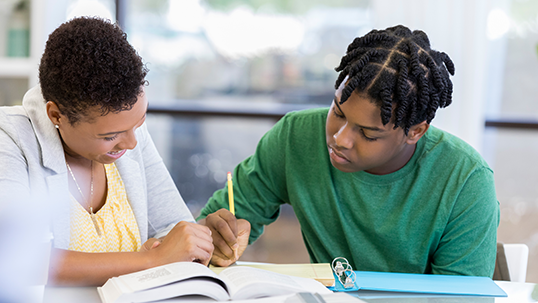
{"x":73,"y":268}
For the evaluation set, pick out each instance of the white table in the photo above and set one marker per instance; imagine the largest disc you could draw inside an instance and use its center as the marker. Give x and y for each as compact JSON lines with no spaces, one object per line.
{"x":517,"y":293}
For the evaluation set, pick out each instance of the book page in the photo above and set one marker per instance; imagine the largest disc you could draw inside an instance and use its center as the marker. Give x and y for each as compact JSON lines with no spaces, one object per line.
{"x":161,"y":275}
{"x":171,"y":280}
{"x":276,"y":299}
{"x":247,"y":283}
{"x":195,"y":287}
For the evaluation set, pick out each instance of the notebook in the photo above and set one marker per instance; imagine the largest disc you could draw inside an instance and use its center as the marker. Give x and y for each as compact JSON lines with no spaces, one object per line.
{"x":321,"y":272}
{"x":386,"y":284}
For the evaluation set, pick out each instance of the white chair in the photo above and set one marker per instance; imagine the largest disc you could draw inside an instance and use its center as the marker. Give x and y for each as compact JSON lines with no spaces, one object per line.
{"x":517,"y":256}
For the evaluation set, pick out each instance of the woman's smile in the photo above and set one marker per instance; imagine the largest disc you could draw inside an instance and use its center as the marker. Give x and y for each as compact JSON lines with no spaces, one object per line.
{"x":116,"y":154}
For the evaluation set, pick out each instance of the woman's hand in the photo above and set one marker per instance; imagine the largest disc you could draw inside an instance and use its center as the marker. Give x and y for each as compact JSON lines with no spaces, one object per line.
{"x":230,"y":236}
{"x":150,"y":244}
{"x":185,"y":242}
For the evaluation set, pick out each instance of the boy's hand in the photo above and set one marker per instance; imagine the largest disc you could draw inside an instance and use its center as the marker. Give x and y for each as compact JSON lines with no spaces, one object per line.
{"x":230,"y":236}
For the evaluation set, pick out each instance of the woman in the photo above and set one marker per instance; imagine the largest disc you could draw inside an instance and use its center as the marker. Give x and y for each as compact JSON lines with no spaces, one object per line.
{"x":79,"y":142}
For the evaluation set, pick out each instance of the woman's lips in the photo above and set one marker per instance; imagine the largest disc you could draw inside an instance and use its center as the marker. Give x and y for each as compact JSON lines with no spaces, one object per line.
{"x":116,"y":154}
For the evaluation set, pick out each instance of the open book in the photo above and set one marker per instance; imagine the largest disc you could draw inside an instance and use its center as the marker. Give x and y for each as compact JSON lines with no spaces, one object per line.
{"x":188,"y":278}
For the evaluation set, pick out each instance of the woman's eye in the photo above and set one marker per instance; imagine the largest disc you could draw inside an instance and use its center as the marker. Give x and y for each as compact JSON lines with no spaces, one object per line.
{"x":111,"y":138}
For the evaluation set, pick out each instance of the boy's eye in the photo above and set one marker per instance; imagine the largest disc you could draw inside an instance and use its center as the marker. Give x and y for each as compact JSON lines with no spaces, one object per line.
{"x":339,"y":115}
{"x":366,"y":137}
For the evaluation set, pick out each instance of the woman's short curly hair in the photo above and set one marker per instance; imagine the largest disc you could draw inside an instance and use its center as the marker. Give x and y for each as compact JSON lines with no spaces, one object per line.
{"x":88,"y":63}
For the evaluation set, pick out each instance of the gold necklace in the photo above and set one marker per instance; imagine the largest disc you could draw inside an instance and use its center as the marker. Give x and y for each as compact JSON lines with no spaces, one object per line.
{"x":92,"y":215}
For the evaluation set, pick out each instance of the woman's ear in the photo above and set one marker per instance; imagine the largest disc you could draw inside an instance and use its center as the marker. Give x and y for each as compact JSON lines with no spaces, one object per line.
{"x":54,"y":113}
{"x":416,"y":132}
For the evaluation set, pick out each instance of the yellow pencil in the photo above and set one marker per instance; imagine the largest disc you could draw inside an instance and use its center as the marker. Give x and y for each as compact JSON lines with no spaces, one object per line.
{"x":231,"y":194}
{"x":231,"y":203}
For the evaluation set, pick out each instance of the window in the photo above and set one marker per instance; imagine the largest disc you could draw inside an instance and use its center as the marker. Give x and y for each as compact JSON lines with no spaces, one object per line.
{"x":512,"y":152}
{"x":234,"y":55}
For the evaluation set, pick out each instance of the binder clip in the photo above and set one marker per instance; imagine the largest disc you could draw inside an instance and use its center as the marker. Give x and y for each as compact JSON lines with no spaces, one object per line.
{"x":349,"y":282}
{"x":344,"y":272}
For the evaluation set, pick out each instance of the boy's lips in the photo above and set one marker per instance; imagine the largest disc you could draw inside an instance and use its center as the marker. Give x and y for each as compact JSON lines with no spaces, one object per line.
{"x":337,"y":156}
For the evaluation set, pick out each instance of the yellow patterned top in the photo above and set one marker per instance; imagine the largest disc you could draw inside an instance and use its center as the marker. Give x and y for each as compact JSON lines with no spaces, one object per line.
{"x":115,"y":219}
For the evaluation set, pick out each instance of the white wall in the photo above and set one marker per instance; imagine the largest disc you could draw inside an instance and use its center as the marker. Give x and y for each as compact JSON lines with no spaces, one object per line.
{"x":458,"y":28}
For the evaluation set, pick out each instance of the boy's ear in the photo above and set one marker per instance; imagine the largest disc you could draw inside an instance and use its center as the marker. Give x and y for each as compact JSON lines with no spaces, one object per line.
{"x":416,"y":132}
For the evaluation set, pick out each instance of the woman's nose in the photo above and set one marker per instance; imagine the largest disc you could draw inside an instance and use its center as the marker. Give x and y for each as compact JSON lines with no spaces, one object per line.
{"x":129,"y":141}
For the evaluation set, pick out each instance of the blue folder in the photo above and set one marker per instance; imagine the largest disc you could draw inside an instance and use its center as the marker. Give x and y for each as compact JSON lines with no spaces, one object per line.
{"x":378,"y":284}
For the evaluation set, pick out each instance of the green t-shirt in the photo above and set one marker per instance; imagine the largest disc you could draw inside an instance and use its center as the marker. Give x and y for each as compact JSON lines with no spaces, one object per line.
{"x":438,"y":214}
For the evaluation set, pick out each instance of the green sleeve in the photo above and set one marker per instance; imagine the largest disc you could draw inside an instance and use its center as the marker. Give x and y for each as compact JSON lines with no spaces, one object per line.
{"x":468,"y":245}
{"x":259,"y":183}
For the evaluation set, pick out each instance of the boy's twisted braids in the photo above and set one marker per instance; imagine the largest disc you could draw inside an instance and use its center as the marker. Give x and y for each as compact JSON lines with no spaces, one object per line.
{"x":398,"y":69}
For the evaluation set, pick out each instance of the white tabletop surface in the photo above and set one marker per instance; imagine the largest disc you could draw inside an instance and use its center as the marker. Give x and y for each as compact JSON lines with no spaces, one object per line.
{"x":517,"y":293}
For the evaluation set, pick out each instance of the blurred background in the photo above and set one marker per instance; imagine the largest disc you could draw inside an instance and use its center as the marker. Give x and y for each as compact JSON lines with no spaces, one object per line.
{"x":223,"y":72}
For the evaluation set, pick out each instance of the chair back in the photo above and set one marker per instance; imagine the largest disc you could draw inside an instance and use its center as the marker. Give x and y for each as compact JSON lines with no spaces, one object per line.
{"x":511,"y":262}
{"x":517,"y":256}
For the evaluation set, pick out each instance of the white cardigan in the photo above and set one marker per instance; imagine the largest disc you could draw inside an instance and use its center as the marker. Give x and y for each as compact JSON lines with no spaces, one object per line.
{"x":33,"y":170}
